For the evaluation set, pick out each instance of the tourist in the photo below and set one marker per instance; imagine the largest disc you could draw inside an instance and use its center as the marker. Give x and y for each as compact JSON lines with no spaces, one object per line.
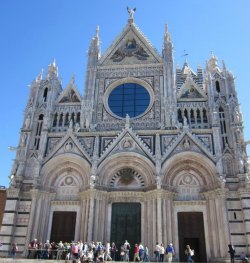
{"x":157,"y":252}
{"x":189,"y":253}
{"x":243,"y":257}
{"x":231,"y":251}
{"x":146,"y":254}
{"x":162,"y":252}
{"x":170,"y":252}
{"x":136,"y":253}
{"x":122,"y":253}
{"x":141,"y":251}
{"x":113,"y":251}
{"x":14,"y":250}
{"x":126,"y":250}
{"x":60,"y":249}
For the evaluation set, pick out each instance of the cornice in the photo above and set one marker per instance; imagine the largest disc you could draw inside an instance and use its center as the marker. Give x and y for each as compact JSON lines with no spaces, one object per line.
{"x":134,"y":66}
{"x":63,"y":203}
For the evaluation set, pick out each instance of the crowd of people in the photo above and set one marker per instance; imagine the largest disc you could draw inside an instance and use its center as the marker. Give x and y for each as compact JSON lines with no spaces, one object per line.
{"x":76,"y":250}
{"x":97,"y":251}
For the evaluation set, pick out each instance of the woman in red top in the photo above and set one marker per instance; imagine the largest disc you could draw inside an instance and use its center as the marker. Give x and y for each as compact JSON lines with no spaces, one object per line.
{"x":136,"y":251}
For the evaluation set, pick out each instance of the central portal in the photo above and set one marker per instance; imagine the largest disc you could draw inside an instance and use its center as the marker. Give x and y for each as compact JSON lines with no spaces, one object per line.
{"x":126,"y":224}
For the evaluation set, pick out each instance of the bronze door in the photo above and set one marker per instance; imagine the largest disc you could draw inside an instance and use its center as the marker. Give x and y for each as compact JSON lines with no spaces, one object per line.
{"x":63,"y":227}
{"x":191,"y":232}
{"x":126,"y":224}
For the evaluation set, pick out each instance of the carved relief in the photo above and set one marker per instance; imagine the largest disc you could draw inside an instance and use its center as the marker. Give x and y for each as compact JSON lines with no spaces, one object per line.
{"x":52,"y":144}
{"x":130,"y":49}
{"x":127,"y":178}
{"x":105,"y":141}
{"x":88,"y":144}
{"x":71,"y":96}
{"x":148,"y":141}
{"x":127,"y":144}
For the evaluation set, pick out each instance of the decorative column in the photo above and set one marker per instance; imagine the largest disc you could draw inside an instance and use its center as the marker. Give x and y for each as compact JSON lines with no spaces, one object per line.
{"x":164,"y":221}
{"x":169,"y":219}
{"x":213,"y":228}
{"x":159,"y":219}
{"x":83,"y":218}
{"x":37,"y":216}
{"x":91,"y":217}
{"x":34,"y":194}
{"x":142,"y":222}
{"x":223,"y":229}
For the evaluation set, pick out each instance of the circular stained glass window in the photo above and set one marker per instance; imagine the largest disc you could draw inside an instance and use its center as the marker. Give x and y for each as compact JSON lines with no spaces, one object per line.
{"x":129,"y":98}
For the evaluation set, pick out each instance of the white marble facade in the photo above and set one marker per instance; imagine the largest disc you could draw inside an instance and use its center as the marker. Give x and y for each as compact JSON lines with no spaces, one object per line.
{"x":185,"y":153}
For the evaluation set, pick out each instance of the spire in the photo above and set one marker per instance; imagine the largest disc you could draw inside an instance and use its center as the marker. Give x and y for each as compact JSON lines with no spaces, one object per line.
{"x":95,"y":43}
{"x":97,"y":33}
{"x":167,"y":35}
{"x":52,"y":69}
{"x":40,"y":76}
{"x":212,"y":62}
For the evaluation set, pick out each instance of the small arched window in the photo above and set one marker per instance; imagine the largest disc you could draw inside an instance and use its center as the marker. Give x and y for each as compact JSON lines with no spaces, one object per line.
{"x":204,"y":116}
{"x":73,"y":117}
{"x":217,"y":86}
{"x":38,"y":131}
{"x":223,"y":127}
{"x":192,"y":116}
{"x":198,"y":115}
{"x":180,"y":119}
{"x":60,"y":120}
{"x":66,"y":122}
{"x":45,"y":94}
{"x":55,"y":120}
{"x":78,"y":117}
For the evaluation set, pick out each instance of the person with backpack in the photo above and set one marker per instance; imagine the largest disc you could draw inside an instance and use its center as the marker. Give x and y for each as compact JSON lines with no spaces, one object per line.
{"x":189,"y":253}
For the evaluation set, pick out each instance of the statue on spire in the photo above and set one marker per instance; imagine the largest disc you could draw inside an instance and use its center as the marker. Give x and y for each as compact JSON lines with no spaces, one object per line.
{"x":131,"y":12}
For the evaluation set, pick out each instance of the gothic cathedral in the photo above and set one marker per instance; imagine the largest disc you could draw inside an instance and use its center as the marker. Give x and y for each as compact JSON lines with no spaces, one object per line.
{"x":149,"y":153}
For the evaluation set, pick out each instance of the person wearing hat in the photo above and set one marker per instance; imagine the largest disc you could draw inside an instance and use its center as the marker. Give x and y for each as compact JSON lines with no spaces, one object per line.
{"x":170,"y":252}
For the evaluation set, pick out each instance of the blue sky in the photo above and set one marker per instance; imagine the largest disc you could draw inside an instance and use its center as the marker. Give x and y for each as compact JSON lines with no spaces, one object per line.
{"x":35,"y":32}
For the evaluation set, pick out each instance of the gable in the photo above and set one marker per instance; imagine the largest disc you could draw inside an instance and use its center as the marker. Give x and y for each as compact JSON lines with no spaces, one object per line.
{"x":70,"y":94}
{"x":68,"y":144}
{"x":131,"y":47}
{"x":127,"y":141}
{"x":190,"y":91}
{"x":187,"y":142}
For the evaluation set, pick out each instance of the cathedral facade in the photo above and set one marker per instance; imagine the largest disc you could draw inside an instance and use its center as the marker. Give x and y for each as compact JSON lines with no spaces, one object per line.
{"x":149,"y":153}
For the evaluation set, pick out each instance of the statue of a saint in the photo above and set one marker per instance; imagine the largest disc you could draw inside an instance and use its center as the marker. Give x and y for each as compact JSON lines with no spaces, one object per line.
{"x":23,"y":140}
{"x":27,"y":122}
{"x":131,"y":12}
{"x":77,"y":127}
{"x":185,"y":124}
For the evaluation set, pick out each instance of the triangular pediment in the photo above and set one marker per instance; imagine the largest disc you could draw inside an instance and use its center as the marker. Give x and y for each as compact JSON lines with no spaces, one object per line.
{"x":127,"y":141}
{"x":187,"y":141}
{"x":70,"y":94}
{"x":130,"y":47}
{"x":190,"y":91}
{"x":68,"y":144}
